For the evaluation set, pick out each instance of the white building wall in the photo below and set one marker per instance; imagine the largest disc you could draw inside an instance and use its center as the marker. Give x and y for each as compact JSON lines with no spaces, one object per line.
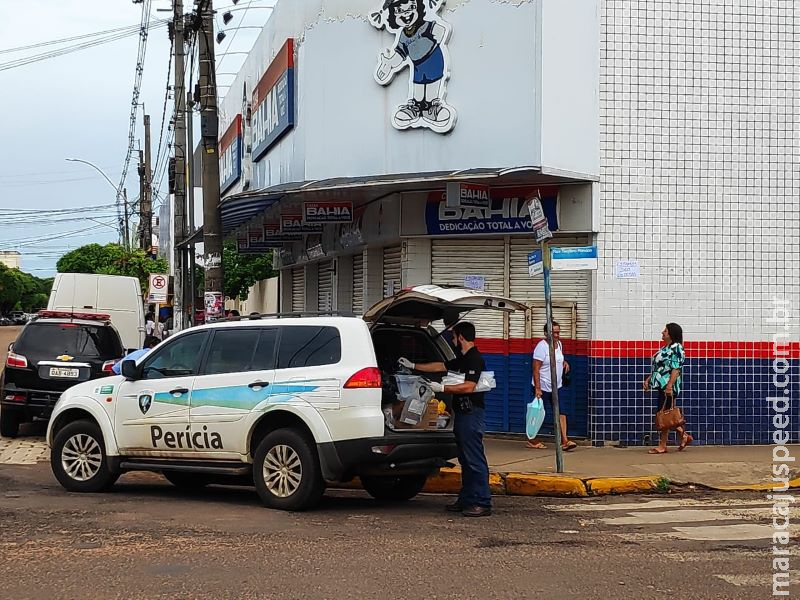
{"x":700,"y":166}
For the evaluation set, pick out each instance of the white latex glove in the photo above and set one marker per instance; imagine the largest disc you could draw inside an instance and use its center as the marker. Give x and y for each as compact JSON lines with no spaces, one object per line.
{"x":436,"y":387}
{"x":404,"y":362}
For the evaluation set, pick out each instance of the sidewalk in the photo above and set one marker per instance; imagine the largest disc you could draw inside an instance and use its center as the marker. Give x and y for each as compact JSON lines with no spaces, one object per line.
{"x":713,"y":466}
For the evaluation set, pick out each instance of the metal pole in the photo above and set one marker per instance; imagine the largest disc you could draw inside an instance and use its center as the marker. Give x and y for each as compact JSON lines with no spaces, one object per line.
{"x":126,"y":238}
{"x":148,"y":189}
{"x":190,"y":199}
{"x":141,"y":232}
{"x":209,"y":130}
{"x":179,"y":198}
{"x":546,"y":263}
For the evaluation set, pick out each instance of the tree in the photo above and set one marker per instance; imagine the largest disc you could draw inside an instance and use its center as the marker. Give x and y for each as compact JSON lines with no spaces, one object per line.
{"x":241,"y":271}
{"x":22,"y":291}
{"x":112,"y":259}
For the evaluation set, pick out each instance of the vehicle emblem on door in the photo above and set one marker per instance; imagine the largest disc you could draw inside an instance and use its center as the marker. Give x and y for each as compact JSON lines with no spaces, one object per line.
{"x":65,"y":357}
{"x":145,"y":400}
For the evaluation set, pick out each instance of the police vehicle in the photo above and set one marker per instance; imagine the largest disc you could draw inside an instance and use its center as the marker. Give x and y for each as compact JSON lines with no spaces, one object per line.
{"x":288,"y":402}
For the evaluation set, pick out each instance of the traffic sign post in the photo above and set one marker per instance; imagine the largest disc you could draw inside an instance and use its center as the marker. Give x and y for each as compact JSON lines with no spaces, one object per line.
{"x":158,"y":288}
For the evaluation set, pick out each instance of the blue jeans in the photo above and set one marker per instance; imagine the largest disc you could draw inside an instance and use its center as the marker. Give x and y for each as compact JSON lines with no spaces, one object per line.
{"x":469,"y":429}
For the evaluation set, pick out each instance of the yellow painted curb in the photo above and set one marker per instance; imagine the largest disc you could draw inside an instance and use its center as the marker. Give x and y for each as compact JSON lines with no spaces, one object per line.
{"x":526,"y":484}
{"x":757,"y":487}
{"x":448,"y":481}
{"x":602,"y":486}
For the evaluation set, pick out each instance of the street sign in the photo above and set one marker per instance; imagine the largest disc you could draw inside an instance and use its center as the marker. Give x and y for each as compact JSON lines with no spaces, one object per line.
{"x":535,"y":264}
{"x":159,"y":285}
{"x":539,"y":221}
{"x":574,"y":258}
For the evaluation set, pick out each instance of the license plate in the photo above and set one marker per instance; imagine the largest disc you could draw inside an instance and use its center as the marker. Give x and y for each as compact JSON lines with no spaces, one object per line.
{"x":59,"y":372}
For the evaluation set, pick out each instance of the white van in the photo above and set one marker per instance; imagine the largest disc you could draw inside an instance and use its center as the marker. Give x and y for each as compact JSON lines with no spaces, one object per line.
{"x":115,"y":295}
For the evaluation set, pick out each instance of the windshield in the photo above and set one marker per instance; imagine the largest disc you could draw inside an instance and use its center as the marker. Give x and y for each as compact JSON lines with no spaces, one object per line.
{"x":78,"y":340}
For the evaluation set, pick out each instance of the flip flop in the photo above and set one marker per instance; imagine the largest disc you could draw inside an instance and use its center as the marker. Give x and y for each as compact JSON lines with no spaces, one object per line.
{"x":569,"y":446}
{"x":536,"y":446}
{"x":687,"y":439}
{"x":656,"y":451}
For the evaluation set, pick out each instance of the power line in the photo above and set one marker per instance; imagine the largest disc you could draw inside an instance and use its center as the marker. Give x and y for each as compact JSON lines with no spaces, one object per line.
{"x":20,"y":62}
{"x":137,"y":84}
{"x":130,"y":28}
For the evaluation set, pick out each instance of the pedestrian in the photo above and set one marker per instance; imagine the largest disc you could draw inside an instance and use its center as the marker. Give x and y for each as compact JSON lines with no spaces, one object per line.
{"x":475,"y":497}
{"x":666,"y":378}
{"x":150,"y":342}
{"x":150,"y":324}
{"x":543,"y":385}
{"x":234,"y":314}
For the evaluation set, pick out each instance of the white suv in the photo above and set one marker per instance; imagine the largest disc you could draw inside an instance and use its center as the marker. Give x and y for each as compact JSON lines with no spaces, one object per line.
{"x":287,"y":403}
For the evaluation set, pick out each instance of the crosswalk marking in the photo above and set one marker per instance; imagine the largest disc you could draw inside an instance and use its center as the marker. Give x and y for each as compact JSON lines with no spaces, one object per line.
{"x":685,"y":516}
{"x":764,"y":581}
{"x":724,"y":533}
{"x":650,"y":504}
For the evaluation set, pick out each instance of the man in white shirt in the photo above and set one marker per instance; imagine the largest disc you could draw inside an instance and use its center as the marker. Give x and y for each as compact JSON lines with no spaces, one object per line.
{"x":543,"y":385}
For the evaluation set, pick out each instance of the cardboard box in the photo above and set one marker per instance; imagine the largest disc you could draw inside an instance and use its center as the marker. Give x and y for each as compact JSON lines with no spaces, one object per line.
{"x":428,"y":421}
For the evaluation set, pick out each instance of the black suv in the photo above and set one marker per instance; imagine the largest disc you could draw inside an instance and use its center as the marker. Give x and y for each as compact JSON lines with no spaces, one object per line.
{"x":53,"y":352}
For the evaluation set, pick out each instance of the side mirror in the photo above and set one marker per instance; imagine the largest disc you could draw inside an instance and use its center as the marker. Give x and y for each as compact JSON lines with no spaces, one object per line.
{"x":129,"y":370}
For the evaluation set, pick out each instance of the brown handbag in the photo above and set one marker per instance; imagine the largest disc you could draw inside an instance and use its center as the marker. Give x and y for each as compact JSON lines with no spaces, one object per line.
{"x":669,"y":418}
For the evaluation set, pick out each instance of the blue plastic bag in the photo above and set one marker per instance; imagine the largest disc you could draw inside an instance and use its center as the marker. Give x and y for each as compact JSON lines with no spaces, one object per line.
{"x":534,"y":418}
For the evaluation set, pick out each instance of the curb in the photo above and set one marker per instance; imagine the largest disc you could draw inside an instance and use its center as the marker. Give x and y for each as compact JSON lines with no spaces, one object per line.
{"x":448,"y":481}
{"x":747,"y":487}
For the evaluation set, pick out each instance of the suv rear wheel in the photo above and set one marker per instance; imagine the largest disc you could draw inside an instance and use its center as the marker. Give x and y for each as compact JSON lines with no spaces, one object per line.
{"x":9,"y":423}
{"x":286,"y":471}
{"x":397,"y":488}
{"x":78,"y":458}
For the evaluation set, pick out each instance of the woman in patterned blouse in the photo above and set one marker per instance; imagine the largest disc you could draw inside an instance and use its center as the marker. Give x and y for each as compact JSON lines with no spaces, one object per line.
{"x":666,"y":378}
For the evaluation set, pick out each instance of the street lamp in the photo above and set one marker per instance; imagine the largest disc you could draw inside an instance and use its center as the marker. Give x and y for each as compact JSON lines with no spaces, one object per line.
{"x":113,"y":185}
{"x":222,"y":35}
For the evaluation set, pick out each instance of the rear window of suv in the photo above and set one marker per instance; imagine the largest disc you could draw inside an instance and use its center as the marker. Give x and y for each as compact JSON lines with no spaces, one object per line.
{"x":78,"y":340}
{"x":308,"y":346}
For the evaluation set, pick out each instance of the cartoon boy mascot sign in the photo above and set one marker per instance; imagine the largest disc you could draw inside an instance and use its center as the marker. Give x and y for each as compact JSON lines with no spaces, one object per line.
{"x":420,"y":44}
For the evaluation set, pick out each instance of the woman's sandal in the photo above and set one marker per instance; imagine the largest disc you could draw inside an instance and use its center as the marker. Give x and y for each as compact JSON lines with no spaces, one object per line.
{"x":685,"y":441}
{"x":656,"y":451}
{"x":569,"y":446}
{"x":536,"y":446}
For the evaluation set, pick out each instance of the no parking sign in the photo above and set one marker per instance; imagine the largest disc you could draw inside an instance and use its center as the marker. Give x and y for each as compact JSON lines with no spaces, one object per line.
{"x":159,"y":284}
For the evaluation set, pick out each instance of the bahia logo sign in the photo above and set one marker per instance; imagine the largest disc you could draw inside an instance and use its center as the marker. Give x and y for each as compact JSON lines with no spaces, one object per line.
{"x":273,"y":102}
{"x":230,"y":155}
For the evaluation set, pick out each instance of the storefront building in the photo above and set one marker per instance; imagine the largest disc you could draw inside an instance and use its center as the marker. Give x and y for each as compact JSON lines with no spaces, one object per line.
{"x":379,"y":145}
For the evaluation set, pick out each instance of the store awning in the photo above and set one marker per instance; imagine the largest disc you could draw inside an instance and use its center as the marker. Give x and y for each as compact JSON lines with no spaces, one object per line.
{"x":237,"y":210}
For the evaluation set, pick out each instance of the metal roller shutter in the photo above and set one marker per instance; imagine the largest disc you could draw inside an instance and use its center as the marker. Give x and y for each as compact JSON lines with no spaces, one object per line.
{"x":572,"y":291}
{"x":452,"y":260}
{"x":391,"y":270}
{"x":325,"y":286}
{"x":358,"y":284}
{"x":298,"y":289}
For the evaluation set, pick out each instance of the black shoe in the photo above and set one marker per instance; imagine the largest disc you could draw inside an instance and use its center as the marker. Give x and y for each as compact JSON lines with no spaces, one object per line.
{"x":454,"y":507}
{"x":477,"y":511}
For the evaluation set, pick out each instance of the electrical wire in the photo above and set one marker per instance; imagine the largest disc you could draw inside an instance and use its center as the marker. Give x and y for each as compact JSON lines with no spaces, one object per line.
{"x":131,"y":28}
{"x":21,"y":62}
{"x":166,"y":100}
{"x":137,"y":84}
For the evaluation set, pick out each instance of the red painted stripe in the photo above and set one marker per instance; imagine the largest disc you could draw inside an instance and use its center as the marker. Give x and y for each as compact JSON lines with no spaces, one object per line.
{"x":233,"y":131}
{"x":644,"y":349}
{"x":283,"y":61}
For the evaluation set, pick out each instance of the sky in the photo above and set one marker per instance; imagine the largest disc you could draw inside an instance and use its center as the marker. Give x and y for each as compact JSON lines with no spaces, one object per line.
{"x":78,"y":106}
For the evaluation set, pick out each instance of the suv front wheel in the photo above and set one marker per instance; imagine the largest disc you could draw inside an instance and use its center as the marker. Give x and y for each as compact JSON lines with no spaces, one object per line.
{"x":286,"y":471}
{"x":78,"y":458}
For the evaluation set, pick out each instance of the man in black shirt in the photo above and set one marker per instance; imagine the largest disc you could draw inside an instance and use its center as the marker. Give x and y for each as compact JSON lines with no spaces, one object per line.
{"x":475,"y":498}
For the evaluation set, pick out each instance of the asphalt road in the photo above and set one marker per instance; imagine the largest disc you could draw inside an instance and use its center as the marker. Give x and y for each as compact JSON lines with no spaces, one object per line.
{"x":147,"y":539}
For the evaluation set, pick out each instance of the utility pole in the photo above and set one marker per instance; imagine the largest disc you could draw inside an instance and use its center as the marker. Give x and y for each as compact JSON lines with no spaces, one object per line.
{"x":191,"y":287}
{"x":142,"y":186}
{"x":179,"y":198}
{"x":209,"y":130}
{"x":126,"y":237}
{"x":147,"y":199}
